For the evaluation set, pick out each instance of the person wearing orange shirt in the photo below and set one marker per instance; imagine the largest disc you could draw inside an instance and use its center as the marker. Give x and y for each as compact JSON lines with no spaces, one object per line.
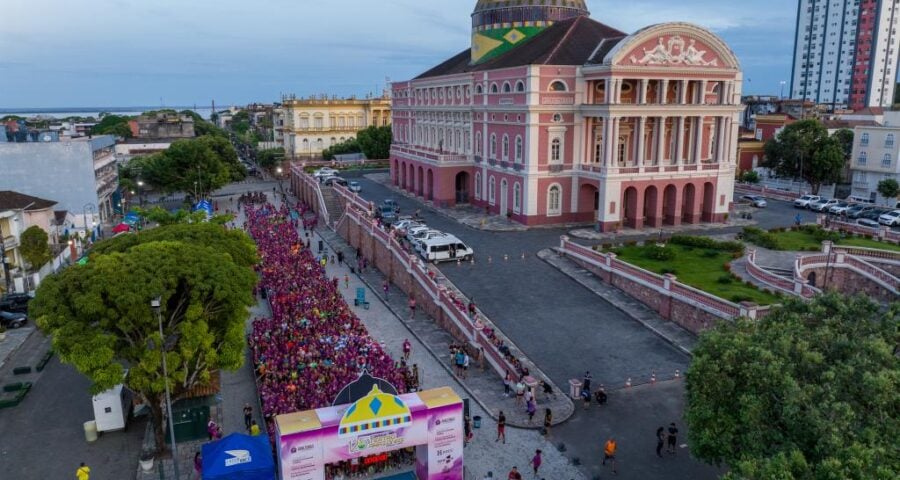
{"x":609,"y":453}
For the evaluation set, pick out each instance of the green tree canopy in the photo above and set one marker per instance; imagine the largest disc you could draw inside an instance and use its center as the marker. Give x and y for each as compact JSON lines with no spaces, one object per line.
{"x":100,"y":319}
{"x":375,"y":142}
{"x":844,"y":137}
{"x":35,"y":246}
{"x":205,"y":164}
{"x":202,"y":127}
{"x":343,"y":148}
{"x":113,"y":125}
{"x":889,"y":188}
{"x":270,"y":158}
{"x":805,"y":150}
{"x":808,"y":392}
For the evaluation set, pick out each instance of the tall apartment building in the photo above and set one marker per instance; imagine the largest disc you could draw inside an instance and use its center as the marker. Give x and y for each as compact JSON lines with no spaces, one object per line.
{"x":313,"y":124}
{"x":846,"y":52}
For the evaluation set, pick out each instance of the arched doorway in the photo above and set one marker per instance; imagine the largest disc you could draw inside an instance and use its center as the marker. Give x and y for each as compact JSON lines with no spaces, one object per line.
{"x":812,"y":278}
{"x":462,"y":187}
{"x":687,"y":203}
{"x":670,"y":204}
{"x":588,"y":201}
{"x":395,"y":172}
{"x":402,"y":173}
{"x":504,"y":197}
{"x":420,"y":183}
{"x":411,"y":177}
{"x":652,"y":206}
{"x":709,"y":202}
{"x":429,"y":182}
{"x":631,"y":207}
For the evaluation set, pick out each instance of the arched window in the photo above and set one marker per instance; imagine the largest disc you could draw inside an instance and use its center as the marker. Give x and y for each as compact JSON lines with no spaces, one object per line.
{"x":478,"y":143}
{"x":493,"y":145}
{"x":494,"y":88}
{"x":558,"y":86}
{"x":320,"y":144}
{"x":886,"y":161}
{"x":506,"y":147}
{"x":332,"y":142}
{"x":554,"y":200}
{"x":889,"y":140}
{"x":492,"y":184}
{"x":864,"y":139}
{"x":478,"y":186}
{"x":517,"y":198}
{"x":507,"y":87}
{"x":519,"y":148}
{"x":556,"y":150}
{"x":479,"y":89}
{"x":520,"y":86}
{"x":863,"y":157}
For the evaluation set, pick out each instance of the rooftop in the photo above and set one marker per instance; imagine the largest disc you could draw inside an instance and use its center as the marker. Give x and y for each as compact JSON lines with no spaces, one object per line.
{"x":10,"y":200}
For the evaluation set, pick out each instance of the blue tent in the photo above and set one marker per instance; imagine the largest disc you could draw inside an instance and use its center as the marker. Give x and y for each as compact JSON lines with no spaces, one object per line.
{"x":238,"y":457}
{"x":205,"y":206}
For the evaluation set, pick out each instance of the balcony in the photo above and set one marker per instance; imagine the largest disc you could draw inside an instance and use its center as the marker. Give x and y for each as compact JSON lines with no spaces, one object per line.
{"x":478,"y":158}
{"x":504,"y":164}
{"x":10,"y":242}
{"x":648,"y":169}
{"x":428,"y":155}
{"x":492,"y":161}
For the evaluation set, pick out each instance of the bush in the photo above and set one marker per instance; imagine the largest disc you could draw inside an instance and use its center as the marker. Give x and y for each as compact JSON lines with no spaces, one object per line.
{"x":725,"y":279}
{"x":631,"y":243}
{"x":707,"y":243}
{"x":710,"y":254}
{"x":670,"y":271}
{"x":740,"y":298}
{"x":761,"y":238}
{"x":655,"y":252}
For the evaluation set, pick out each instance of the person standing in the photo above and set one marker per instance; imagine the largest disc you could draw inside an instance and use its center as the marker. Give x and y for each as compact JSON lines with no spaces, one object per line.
{"x":83,"y":472}
{"x":536,"y":461}
{"x":254,"y":428}
{"x":407,"y":348}
{"x":514,"y":474}
{"x":507,"y":383}
{"x":520,"y":392}
{"x":489,"y":476}
{"x":660,"y":440}
{"x":548,"y":421}
{"x":248,"y":415}
{"x":530,"y":409}
{"x":340,"y":257}
{"x":501,"y":427}
{"x":465,"y":365}
{"x":412,"y":307}
{"x":609,"y":453}
{"x":673,"y":438}
{"x":586,"y":381}
{"x":346,"y":281}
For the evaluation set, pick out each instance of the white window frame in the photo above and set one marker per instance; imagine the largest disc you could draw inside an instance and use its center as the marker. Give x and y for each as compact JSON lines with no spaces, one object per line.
{"x":517,"y":197}
{"x":557,"y":150}
{"x":520,"y":147}
{"x":492,"y":190}
{"x":477,"y":185}
{"x":551,"y":211}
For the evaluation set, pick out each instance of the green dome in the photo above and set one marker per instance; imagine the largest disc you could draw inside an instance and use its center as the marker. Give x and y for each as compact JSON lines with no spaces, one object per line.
{"x":500,"y":25}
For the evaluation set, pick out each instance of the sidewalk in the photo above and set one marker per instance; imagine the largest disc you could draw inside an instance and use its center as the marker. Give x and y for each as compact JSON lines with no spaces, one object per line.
{"x":429,"y":352}
{"x":669,"y":331}
{"x":708,"y":229}
{"x":14,"y":340}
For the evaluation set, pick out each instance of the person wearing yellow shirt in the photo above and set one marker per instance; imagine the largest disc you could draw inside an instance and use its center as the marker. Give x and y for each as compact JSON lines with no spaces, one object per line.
{"x":254,"y":428}
{"x":83,"y":472}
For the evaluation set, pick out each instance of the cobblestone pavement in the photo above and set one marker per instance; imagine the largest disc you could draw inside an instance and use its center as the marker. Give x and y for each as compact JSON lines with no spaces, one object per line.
{"x":14,"y":340}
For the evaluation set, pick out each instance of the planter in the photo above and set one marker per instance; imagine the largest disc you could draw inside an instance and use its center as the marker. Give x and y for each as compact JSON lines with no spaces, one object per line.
{"x":146,"y":464}
{"x":2,"y":336}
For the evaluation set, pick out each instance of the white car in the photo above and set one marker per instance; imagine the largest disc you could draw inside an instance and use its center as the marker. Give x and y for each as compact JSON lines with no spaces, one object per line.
{"x":325,"y":173}
{"x":355,"y":187}
{"x":822,"y":205}
{"x":865,"y":222}
{"x":446,"y":248}
{"x":406,"y":223}
{"x":806,"y":200}
{"x":840,"y":208}
{"x":890,"y":219}
{"x":425,"y":235}
{"x":412,"y":231}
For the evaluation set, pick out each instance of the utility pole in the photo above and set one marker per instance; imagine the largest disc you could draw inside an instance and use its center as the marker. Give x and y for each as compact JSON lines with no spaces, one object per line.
{"x":3,"y":259}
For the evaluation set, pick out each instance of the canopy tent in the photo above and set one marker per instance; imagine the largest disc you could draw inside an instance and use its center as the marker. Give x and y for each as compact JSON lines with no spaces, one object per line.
{"x":238,"y":457}
{"x":205,"y":206}
{"x":121,"y":228}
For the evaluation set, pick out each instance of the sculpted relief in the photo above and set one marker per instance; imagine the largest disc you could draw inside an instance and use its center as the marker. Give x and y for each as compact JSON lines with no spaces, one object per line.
{"x":675,"y":51}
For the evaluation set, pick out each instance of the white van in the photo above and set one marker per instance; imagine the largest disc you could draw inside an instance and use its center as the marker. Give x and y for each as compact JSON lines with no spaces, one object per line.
{"x":445,"y":249}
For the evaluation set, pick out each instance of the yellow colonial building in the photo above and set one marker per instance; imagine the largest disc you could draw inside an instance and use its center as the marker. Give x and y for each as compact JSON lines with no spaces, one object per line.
{"x":313,"y":124}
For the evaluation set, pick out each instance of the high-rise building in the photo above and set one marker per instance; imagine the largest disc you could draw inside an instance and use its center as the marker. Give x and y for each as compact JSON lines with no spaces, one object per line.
{"x":846,"y":52}
{"x":551,"y":117}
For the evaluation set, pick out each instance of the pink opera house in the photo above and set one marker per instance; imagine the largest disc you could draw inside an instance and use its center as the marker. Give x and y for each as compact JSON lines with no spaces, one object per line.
{"x":551,"y":117}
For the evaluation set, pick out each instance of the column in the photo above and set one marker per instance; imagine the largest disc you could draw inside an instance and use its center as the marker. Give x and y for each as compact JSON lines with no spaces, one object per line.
{"x":721,"y":144}
{"x":642,"y":97}
{"x":610,"y":141}
{"x":699,"y":126}
{"x":703,"y":85}
{"x":679,"y":142}
{"x":682,"y":92}
{"x":639,"y":152}
{"x":607,"y":92}
{"x":663,"y":92}
{"x":660,"y":140}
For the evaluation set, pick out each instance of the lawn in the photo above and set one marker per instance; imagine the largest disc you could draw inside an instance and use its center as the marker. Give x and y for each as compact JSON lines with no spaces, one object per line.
{"x":865,"y":242}
{"x":700,"y":268}
{"x":805,"y":240}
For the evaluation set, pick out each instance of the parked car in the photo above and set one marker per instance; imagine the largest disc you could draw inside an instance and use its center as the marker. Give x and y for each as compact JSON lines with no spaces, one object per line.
{"x":874,"y":213}
{"x":822,"y":205}
{"x":15,"y":302}
{"x":805,"y":200}
{"x":324,"y":173}
{"x":355,"y":187}
{"x":866,"y":222}
{"x":855,"y":210}
{"x":412,"y":231}
{"x":840,"y":208}
{"x":13,"y":319}
{"x":392,"y":203}
{"x":443,"y":249}
{"x":332,"y":181}
{"x":890,"y":219}
{"x":755,"y":200}
{"x":403,"y":224}
{"x":427,"y":235}
{"x":387,"y":215}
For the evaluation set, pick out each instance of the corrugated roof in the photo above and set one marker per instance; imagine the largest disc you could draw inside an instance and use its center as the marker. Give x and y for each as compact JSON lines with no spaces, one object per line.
{"x":569,"y":42}
{"x":10,"y":200}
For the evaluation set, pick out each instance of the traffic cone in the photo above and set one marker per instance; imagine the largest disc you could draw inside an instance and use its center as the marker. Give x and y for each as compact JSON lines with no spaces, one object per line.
{"x":505,"y":257}
{"x":458,"y":262}
{"x":628,"y":383}
{"x":523,"y":255}
{"x":677,"y":373}
{"x":490,"y":259}
{"x":653,"y":378}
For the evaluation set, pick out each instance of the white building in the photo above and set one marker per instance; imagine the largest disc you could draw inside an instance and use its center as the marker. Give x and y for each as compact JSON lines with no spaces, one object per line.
{"x":846,"y":52}
{"x":876,"y":157}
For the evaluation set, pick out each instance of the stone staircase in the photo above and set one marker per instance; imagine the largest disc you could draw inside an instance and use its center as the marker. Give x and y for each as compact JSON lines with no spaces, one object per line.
{"x":333,"y":204}
{"x":787,"y":273}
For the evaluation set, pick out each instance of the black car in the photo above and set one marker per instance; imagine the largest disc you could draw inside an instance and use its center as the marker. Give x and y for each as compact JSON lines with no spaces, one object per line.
{"x":13,"y":319}
{"x":15,"y":302}
{"x":872,"y":214}
{"x":857,"y":211}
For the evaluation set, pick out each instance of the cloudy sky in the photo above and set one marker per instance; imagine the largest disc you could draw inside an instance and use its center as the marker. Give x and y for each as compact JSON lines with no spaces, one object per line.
{"x":64,"y":53}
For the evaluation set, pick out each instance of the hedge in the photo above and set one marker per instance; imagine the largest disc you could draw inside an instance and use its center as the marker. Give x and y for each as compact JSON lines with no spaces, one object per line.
{"x":708,"y":243}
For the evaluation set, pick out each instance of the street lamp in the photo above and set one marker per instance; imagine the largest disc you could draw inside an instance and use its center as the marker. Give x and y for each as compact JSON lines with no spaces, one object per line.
{"x":140,"y":185}
{"x":155,"y":306}
{"x":782,"y":83}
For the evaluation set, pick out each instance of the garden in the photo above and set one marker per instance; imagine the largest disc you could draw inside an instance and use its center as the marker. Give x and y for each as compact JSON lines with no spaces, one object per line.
{"x":809,"y":238}
{"x":702,"y":263}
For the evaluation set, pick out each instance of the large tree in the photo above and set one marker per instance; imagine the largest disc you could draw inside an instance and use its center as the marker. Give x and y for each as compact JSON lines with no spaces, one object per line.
{"x":805,"y":150}
{"x":100,"y":319}
{"x":808,"y":392}
{"x":113,"y":125}
{"x":35,"y":247}
{"x":188,"y":166}
{"x":889,"y":189}
{"x":375,"y":142}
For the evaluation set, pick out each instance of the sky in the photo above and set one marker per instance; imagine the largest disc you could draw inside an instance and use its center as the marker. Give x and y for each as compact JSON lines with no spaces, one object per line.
{"x":65,"y":53}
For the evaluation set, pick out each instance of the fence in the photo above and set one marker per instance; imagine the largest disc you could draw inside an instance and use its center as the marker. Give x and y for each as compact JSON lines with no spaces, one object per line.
{"x":797,"y":286}
{"x":883,"y":233}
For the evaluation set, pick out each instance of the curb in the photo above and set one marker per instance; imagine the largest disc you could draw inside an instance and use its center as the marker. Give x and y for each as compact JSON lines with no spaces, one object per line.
{"x":543,"y":254}
{"x":18,"y":347}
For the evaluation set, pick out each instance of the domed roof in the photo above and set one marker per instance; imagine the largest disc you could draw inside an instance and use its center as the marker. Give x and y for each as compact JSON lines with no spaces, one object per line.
{"x":484,"y":5}
{"x":376,"y":412}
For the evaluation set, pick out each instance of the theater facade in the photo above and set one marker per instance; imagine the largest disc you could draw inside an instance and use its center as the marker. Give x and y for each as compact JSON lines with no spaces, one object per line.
{"x":551,"y":117}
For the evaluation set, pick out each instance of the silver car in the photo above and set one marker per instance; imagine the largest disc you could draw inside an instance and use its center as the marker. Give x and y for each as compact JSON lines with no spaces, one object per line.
{"x":755,"y":200}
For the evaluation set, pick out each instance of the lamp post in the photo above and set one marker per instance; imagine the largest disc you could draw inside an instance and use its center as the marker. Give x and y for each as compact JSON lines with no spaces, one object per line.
{"x":155,"y":305}
{"x":84,"y":210}
{"x":140,"y":185}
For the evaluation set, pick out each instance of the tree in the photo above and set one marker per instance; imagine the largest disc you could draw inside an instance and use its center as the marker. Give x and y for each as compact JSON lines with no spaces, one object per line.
{"x":187,"y":165}
{"x":844,"y":137}
{"x":807,"y":392}
{"x":113,"y":125}
{"x":375,"y":142}
{"x":100,"y":319}
{"x":889,"y":189}
{"x":270,"y":158}
{"x":750,"y":176}
{"x":345,"y":147}
{"x":35,"y":247}
{"x":203,"y":127}
{"x":227,"y":154}
{"x":805,"y":150}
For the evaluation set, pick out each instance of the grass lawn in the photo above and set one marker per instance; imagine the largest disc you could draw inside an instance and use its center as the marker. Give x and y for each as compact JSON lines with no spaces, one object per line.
{"x":864,"y":242}
{"x":801,"y":241}
{"x":701,"y":269}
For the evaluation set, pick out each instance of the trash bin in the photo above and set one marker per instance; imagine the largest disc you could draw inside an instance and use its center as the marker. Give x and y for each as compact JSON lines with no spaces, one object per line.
{"x":90,"y":431}
{"x":575,"y":389}
{"x":476,"y":421}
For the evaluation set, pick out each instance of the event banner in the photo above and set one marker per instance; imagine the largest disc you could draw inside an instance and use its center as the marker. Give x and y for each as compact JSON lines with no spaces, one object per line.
{"x":430,"y":421}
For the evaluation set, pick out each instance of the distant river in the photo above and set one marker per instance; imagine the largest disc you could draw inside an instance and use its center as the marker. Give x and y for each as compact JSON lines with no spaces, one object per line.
{"x":92,"y":111}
